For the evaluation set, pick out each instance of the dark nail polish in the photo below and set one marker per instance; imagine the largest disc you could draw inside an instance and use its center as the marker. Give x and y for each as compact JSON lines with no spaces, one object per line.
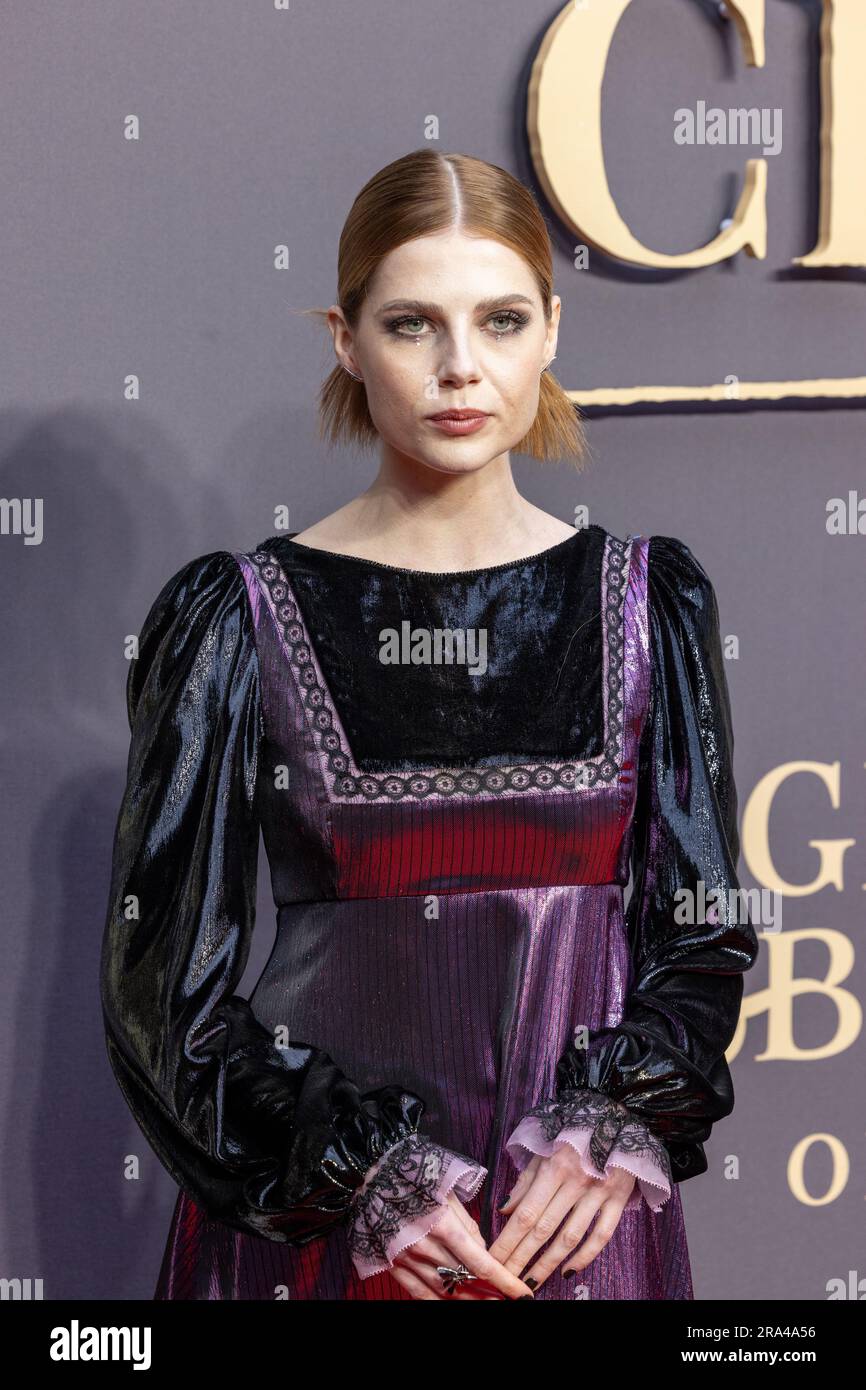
{"x":570,"y":1274}
{"x":524,"y":1296}
{"x":504,"y":1202}
{"x":531,"y":1283}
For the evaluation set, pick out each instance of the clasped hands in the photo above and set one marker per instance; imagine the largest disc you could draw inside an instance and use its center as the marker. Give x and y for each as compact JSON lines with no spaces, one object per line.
{"x":552,"y":1194}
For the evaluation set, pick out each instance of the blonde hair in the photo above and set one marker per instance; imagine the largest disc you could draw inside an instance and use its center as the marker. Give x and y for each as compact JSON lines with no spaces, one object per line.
{"x":422,"y":193}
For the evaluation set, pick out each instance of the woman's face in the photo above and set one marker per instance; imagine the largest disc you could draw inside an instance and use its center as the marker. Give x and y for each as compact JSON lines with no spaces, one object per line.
{"x":450,"y":322}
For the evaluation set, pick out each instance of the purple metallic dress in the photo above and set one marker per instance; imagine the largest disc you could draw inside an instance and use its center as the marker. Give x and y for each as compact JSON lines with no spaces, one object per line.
{"x":456,"y":982}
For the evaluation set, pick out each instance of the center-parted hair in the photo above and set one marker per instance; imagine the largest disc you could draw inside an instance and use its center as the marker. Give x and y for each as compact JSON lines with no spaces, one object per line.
{"x":418,"y":195}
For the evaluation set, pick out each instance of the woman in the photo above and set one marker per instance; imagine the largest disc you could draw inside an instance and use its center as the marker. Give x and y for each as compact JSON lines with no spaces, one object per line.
{"x":466,"y":1071}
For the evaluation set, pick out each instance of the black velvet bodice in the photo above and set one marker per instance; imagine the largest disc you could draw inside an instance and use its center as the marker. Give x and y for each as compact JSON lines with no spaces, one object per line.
{"x":540,"y":693}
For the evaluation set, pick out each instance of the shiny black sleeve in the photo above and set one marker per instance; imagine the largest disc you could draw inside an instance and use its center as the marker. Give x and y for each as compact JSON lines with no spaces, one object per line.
{"x":666,"y":1060}
{"x":271,"y":1140}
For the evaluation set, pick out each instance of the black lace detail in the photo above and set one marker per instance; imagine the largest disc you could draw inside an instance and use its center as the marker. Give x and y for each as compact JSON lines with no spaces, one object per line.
{"x":613,"y":1126}
{"x":349,"y":782}
{"x":404,"y":1186}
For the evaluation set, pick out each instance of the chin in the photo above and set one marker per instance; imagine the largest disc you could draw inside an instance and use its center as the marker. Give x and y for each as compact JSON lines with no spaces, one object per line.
{"x":460,"y":460}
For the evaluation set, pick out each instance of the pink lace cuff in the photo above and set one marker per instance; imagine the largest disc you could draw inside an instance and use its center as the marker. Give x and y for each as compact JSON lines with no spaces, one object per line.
{"x":604,"y":1133}
{"x":402,"y":1197}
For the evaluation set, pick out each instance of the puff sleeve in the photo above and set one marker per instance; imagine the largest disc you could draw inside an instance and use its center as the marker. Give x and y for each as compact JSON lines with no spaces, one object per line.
{"x":645,"y":1094}
{"x":272,"y":1140}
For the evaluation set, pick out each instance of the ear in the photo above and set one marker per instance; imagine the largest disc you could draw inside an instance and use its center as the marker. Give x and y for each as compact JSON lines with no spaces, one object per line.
{"x":341,"y":334}
{"x":553,"y":330}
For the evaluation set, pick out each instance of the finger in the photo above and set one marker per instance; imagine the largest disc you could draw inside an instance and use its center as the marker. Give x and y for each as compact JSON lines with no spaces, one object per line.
{"x":463,"y":1214}
{"x":611,"y":1197}
{"x":478,"y":1261}
{"x":413,"y":1285}
{"x":566,"y":1241}
{"x":534,"y":1201}
{"x":566,"y":1250}
{"x":598,"y":1238}
{"x":424,"y":1260}
{"x":425,"y":1256}
{"x":450,"y":1243}
{"x":523,"y":1183}
{"x":555,"y":1213}
{"x":473,"y":1289}
{"x":479,"y":1291}
{"x":427,"y":1272}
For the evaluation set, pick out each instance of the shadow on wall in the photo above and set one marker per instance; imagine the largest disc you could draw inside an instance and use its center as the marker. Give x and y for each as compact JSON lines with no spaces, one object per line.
{"x":119,"y":518}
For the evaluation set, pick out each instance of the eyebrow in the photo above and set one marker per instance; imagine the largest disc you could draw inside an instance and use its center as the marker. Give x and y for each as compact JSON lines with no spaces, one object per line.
{"x":419,"y":306}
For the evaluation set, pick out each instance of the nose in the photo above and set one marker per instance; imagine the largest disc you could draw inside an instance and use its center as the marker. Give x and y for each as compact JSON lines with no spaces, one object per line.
{"x":458,"y":364}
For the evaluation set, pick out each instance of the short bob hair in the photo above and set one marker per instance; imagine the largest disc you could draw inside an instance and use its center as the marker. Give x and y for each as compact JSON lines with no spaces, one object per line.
{"x":422,"y":193}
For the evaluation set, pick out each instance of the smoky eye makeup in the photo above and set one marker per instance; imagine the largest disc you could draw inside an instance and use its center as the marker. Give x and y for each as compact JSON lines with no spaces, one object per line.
{"x":503,"y":323}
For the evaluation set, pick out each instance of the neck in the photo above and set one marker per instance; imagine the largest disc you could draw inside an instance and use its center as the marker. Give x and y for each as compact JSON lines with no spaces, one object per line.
{"x":442,"y":519}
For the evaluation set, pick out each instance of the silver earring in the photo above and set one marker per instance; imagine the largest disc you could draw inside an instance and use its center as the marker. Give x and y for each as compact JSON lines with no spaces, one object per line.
{"x":351,"y":374}
{"x":547,"y":364}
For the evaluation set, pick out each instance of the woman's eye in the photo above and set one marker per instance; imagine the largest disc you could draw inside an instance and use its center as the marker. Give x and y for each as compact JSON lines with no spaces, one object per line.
{"x":509,"y":319}
{"x":507,"y":323}
{"x":397,"y":324}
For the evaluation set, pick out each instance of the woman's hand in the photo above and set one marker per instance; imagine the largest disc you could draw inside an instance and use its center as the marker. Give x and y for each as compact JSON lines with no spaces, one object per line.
{"x":455,"y":1239}
{"x":551,"y":1191}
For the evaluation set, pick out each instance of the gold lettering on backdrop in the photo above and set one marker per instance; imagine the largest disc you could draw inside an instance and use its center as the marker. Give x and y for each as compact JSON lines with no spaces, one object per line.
{"x":756,"y":832}
{"x":564,"y":129}
{"x":842,"y":217}
{"x":784,"y":987}
{"x":565,"y":140}
{"x":840,"y":388}
{"x":840,"y":1168}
